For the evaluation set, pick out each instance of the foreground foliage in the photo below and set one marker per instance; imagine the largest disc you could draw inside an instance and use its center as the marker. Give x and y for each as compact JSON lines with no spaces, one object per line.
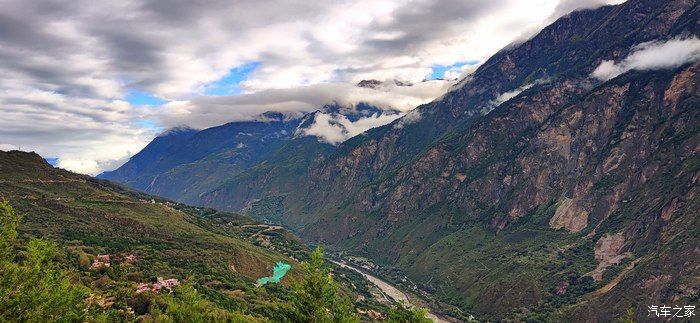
{"x":403,"y":313}
{"x":33,"y":287}
{"x":316,"y":297}
{"x":38,"y":284}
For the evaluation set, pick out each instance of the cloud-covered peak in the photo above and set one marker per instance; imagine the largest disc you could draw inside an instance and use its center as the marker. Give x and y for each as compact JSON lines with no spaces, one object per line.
{"x":203,"y":112}
{"x":176,"y":131}
{"x":377,"y":84}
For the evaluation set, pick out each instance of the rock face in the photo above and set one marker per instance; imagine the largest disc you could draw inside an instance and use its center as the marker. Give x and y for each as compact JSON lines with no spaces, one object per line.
{"x":569,"y":216}
{"x":608,"y":251}
{"x":465,"y":180}
{"x":609,"y":247}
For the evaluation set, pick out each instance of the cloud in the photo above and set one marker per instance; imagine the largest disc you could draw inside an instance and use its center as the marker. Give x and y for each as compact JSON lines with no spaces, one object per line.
{"x":70,"y":128}
{"x":336,"y":128}
{"x":8,"y":147}
{"x":175,"y":49}
{"x":505,"y":96}
{"x":411,"y":117}
{"x":566,"y":7}
{"x":202,"y":112}
{"x":652,"y":56}
{"x":67,"y":67}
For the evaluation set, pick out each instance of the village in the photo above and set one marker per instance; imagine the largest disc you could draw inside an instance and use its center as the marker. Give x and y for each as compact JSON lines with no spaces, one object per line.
{"x":105,"y":261}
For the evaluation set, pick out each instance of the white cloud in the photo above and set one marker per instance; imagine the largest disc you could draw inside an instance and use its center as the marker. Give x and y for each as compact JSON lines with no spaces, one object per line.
{"x":505,"y":96}
{"x":566,"y":7}
{"x":411,"y":117}
{"x":58,"y":126}
{"x":85,"y":166}
{"x":204,"y":112}
{"x":335,"y":128}
{"x":652,"y":56}
{"x":173,"y":50}
{"x":8,"y":147}
{"x":66,"y":67}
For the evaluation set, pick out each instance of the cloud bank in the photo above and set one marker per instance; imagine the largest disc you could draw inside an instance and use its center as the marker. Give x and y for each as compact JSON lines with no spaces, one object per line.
{"x":67,"y":68}
{"x":202,"y":112}
{"x":568,"y":6}
{"x":652,"y":56}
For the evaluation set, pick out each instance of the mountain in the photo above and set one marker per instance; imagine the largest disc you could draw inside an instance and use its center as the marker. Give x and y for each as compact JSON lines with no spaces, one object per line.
{"x":530,"y":175}
{"x":112,"y":245}
{"x":149,"y":158}
{"x":233,"y":164}
{"x":179,"y":163}
{"x":531,"y":190}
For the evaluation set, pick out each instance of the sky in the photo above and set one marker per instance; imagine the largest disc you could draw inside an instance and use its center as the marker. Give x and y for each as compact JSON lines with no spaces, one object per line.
{"x":89,"y":83}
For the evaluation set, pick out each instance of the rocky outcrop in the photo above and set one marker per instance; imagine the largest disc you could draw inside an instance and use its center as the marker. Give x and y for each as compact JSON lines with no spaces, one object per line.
{"x":569,"y":216}
{"x":608,"y":251}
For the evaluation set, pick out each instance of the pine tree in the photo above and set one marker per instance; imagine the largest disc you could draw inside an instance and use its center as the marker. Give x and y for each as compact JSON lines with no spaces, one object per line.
{"x":316,"y":297}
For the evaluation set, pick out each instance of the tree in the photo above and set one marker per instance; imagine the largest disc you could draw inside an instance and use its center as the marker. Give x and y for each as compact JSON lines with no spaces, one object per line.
{"x":9,"y":221}
{"x":402,"y":313}
{"x":315,"y":296}
{"x":187,"y":305}
{"x":34,"y":289}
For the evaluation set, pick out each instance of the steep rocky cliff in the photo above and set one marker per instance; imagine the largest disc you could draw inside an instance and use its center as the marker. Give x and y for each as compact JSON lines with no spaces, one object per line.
{"x":570,"y":48}
{"x":571,"y":181}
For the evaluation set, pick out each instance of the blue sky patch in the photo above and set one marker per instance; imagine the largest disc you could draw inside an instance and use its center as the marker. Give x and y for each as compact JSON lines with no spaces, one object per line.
{"x":148,"y":124}
{"x":439,"y":70}
{"x":229,"y":84}
{"x":52,"y":160}
{"x":143,"y":98}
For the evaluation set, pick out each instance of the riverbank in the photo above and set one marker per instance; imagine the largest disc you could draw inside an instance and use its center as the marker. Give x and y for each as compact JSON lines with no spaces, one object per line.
{"x":390,"y":291}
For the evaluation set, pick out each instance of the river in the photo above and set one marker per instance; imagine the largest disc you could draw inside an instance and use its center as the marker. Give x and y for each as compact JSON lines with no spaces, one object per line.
{"x":388,"y":289}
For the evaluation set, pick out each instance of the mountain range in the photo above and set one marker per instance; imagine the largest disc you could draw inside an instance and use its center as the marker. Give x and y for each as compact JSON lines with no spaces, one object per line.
{"x":538,"y":187}
{"x":265,"y":154}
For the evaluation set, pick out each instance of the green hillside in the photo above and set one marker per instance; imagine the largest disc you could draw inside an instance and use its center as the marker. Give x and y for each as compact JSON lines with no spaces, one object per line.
{"x":216,"y":257}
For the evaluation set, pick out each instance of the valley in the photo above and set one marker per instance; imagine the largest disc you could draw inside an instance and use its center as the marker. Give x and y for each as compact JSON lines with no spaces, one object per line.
{"x":389,"y":290}
{"x":555,"y":179}
{"x":129,"y":252}
{"x":498,"y":197}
